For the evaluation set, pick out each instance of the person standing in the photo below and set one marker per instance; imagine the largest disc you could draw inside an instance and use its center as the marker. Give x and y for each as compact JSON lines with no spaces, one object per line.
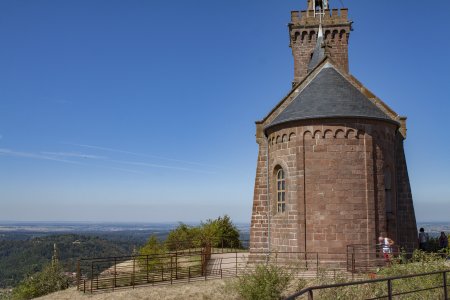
{"x":423,"y":240}
{"x":386,"y":247}
{"x":443,"y":241}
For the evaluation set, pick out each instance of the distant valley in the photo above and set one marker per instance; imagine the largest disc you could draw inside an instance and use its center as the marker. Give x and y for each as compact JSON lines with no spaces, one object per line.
{"x":26,"y":246}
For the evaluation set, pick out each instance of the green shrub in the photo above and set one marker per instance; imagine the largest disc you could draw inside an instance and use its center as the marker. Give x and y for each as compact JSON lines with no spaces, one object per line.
{"x":265,"y":282}
{"x":49,"y":280}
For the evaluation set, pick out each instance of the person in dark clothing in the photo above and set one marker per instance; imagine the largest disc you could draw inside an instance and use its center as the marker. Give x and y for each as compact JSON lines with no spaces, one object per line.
{"x":423,"y":240}
{"x":443,"y":241}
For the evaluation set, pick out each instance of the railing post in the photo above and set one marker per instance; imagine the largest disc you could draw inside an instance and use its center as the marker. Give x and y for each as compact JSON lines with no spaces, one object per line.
{"x":353,"y":263}
{"x":445,"y":286}
{"x":317,"y":264}
{"x":206,"y":271}
{"x":92,"y":275}
{"x":389,"y":283}
{"x":171,"y":269}
{"x":115,"y":272}
{"x":189,"y":274}
{"x":84,"y":286}
{"x":236,"y":264}
{"x":146,"y":266}
{"x":78,"y":275}
{"x":176,"y":265}
{"x":134,"y":270}
{"x":310,"y":295}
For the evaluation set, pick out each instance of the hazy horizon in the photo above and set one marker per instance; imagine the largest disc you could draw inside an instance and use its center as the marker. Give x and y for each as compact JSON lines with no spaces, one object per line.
{"x":54,"y":222}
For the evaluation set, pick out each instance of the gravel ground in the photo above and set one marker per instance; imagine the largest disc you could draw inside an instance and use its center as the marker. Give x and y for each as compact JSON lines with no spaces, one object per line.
{"x":214,"y":289}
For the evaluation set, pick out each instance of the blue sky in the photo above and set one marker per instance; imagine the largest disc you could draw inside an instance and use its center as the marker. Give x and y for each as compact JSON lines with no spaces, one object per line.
{"x":144,"y":110}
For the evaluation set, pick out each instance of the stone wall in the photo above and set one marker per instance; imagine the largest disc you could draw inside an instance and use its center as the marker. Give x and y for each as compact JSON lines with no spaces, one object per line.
{"x":336,"y":189}
{"x":303,"y":31}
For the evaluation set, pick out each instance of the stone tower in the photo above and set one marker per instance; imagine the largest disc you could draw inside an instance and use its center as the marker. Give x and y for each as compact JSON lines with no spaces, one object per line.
{"x":303,"y":32}
{"x":331,"y":167}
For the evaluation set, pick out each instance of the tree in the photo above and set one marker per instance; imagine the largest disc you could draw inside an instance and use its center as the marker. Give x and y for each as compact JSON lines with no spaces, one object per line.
{"x":155,"y":251}
{"x":49,"y":280}
{"x":182,"y":237}
{"x":218,"y":231}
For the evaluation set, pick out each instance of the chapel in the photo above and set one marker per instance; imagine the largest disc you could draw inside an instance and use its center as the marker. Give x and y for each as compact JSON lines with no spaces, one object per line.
{"x":331,"y":168}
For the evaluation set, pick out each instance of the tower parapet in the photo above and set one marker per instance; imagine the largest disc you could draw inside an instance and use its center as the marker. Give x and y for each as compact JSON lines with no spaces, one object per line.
{"x":303,"y":30}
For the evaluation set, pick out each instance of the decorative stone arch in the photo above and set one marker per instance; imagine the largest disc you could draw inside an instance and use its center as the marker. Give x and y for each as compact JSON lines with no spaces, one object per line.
{"x":296,"y":36}
{"x":284,"y":139}
{"x":312,"y":35}
{"x":307,"y":135}
{"x":334,"y":34}
{"x":351,"y":134}
{"x":342,"y":34}
{"x":328,"y":134}
{"x":360,"y":134}
{"x":304,"y":35}
{"x":278,"y":140}
{"x":292,"y":137}
{"x":339,"y":134}
{"x":317,"y":134}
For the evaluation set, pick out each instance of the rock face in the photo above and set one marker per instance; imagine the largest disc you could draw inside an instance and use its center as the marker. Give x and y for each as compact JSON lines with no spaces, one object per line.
{"x":331,"y":169}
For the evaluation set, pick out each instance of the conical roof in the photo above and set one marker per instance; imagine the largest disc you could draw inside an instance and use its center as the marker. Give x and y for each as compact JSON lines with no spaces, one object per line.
{"x":330,"y":95}
{"x":318,"y":54}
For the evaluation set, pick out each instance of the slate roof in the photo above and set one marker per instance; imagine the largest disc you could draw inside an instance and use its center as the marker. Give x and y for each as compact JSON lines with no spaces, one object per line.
{"x":329,"y":95}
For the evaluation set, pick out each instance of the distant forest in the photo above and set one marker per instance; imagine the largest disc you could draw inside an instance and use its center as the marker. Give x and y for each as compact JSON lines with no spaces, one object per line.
{"x":23,"y":254}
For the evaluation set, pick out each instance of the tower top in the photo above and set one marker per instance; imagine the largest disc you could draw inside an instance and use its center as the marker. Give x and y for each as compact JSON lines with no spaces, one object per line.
{"x":318,"y":5}
{"x":317,"y":31}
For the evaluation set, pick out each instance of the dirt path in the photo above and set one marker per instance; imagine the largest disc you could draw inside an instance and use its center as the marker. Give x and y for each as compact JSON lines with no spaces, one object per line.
{"x":214,"y":289}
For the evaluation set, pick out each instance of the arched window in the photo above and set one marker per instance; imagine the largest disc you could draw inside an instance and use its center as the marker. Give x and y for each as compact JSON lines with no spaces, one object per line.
{"x":281,"y":191}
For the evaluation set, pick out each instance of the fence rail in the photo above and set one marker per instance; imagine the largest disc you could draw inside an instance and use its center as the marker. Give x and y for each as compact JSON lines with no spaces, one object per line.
{"x":389,"y":282}
{"x":211,"y":263}
{"x":188,"y":266}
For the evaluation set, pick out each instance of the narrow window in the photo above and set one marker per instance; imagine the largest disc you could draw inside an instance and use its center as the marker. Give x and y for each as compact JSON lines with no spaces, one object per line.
{"x":281,"y":191}
{"x":388,"y":191}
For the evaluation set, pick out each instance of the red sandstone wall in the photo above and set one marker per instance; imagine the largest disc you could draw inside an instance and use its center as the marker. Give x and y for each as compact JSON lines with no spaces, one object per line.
{"x":407,"y":227}
{"x":259,"y":223}
{"x":303,"y":31}
{"x":335,"y":187}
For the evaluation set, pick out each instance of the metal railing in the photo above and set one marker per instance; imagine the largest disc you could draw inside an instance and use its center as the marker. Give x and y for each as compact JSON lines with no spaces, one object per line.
{"x":188,"y":266}
{"x":366,"y":259}
{"x":442,"y":288}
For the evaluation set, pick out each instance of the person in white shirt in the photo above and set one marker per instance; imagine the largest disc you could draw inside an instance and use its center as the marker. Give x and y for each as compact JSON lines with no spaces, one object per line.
{"x":386,"y":247}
